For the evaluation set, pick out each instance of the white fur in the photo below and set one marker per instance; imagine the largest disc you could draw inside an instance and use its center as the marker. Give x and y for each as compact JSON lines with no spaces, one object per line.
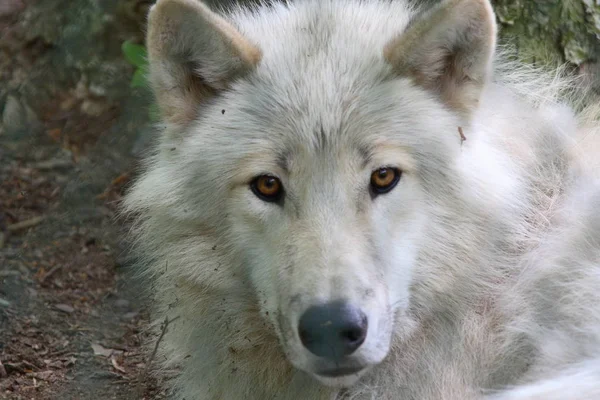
{"x":479,"y":272}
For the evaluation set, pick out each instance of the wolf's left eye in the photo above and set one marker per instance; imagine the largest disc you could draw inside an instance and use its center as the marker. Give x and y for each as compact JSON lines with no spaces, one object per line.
{"x":384,"y":180}
{"x":267,"y":188}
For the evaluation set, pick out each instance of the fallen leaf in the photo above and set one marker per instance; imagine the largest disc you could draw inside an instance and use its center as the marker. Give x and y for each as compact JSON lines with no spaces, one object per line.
{"x":53,"y":364}
{"x":43,"y":375}
{"x":100,"y":350}
{"x":116,"y":366}
{"x":70,"y":361}
{"x":121,"y":179}
{"x":55,"y":134}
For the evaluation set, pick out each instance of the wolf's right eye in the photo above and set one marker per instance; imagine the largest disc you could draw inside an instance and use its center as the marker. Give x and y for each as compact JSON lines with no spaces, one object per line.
{"x":267,"y":188}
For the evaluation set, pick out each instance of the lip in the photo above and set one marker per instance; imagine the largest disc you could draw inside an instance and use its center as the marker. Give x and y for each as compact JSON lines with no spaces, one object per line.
{"x":339,"y":372}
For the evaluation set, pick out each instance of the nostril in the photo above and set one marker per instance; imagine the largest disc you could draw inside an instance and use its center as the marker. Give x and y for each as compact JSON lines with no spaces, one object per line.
{"x":304,"y":337}
{"x":355,"y":335}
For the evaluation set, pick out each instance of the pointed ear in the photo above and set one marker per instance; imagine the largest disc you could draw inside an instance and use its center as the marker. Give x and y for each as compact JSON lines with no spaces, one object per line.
{"x":193,"y":54}
{"x":448,"y":51}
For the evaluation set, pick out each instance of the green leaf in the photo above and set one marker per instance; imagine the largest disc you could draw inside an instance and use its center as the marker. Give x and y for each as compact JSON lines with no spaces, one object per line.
{"x":134,"y":53}
{"x":139,"y":78}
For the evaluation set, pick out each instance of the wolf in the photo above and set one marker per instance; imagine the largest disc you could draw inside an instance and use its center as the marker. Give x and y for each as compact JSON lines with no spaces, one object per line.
{"x":364,"y":200}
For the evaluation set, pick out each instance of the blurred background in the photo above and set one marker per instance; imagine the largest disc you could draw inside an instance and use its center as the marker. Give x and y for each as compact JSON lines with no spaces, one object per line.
{"x":75,"y":116}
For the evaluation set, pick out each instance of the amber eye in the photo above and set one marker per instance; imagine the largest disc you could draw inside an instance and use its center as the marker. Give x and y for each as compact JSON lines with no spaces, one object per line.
{"x":267,"y":188}
{"x":384,"y":179}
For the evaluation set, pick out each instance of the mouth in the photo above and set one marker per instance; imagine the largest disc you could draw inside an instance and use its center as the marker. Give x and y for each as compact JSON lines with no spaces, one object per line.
{"x":339,"y":372}
{"x":340,"y":377}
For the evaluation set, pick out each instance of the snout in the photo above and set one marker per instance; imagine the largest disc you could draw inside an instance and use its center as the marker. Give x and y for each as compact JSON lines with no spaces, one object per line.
{"x":334,"y":330}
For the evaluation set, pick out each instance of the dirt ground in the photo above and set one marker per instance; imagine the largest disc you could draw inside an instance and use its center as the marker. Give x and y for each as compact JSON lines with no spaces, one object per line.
{"x":71,"y":316}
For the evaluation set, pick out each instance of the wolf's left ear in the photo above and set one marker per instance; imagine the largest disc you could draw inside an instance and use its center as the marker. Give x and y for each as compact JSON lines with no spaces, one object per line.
{"x":448,"y":51}
{"x":193,"y":54}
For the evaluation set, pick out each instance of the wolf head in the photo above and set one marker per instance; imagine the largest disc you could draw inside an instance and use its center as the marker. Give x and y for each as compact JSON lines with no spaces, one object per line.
{"x":316,"y":140}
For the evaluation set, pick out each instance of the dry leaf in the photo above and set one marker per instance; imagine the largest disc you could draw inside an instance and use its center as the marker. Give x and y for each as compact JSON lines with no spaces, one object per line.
{"x":69,"y":361}
{"x":100,"y":350}
{"x":121,"y":179}
{"x":43,"y":375}
{"x":55,"y":134}
{"x":116,"y":366}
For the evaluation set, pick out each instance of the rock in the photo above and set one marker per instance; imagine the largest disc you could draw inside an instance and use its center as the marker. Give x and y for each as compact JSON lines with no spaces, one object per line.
{"x":130,"y":315}
{"x":64,"y":308}
{"x":10,"y":7}
{"x":94,"y":108}
{"x":590,"y":72}
{"x":12,"y":115}
{"x":18,"y":119}
{"x":122,"y":303}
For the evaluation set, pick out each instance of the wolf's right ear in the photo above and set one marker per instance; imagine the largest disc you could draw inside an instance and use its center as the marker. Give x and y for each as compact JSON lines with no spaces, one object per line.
{"x":193,"y":53}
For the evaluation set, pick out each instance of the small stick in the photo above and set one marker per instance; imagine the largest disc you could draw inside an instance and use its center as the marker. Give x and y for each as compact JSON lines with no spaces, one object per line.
{"x":29,"y":223}
{"x":3,"y":373}
{"x":144,"y":374}
{"x":462,"y":135}
{"x":50,"y":273}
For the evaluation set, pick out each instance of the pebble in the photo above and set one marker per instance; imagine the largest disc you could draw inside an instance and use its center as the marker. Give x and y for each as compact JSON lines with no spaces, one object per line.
{"x":64,"y":308}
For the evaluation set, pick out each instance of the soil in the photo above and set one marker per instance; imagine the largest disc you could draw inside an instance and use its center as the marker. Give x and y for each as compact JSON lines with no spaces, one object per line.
{"x":72,"y":319}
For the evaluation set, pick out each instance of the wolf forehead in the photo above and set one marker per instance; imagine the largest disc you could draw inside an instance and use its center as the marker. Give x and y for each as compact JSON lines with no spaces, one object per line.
{"x":322,"y":74}
{"x":331,"y":39}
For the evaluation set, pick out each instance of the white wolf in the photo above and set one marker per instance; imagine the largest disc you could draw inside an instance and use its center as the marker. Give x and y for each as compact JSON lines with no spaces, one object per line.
{"x":356,"y":200}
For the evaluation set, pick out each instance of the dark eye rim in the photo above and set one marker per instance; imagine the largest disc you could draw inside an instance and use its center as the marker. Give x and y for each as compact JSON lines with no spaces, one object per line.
{"x":377,"y":190}
{"x":269,"y":199}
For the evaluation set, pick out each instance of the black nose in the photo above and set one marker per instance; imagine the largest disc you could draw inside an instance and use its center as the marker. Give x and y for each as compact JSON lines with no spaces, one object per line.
{"x":333,"y":330}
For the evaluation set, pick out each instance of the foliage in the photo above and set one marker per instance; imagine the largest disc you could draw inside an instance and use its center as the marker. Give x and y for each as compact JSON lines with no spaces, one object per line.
{"x":137,"y":56}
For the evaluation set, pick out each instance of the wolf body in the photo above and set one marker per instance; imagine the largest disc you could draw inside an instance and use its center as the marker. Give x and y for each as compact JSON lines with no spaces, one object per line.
{"x":476,"y":276}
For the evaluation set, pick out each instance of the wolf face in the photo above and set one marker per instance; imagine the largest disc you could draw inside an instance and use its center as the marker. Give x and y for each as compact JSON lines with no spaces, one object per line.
{"x":314,"y":144}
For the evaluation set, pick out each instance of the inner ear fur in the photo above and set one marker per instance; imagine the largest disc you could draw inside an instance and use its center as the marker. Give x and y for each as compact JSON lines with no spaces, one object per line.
{"x":193,"y":54}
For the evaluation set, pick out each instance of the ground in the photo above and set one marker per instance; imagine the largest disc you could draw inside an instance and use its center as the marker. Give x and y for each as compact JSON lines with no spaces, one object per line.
{"x":71,"y":316}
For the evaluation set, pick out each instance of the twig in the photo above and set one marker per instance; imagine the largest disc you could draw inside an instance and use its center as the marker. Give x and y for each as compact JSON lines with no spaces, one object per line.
{"x":462,"y":135}
{"x":25,"y":224}
{"x":3,"y":373}
{"x":53,"y":164}
{"x":144,"y":373}
{"x":50,"y":273}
